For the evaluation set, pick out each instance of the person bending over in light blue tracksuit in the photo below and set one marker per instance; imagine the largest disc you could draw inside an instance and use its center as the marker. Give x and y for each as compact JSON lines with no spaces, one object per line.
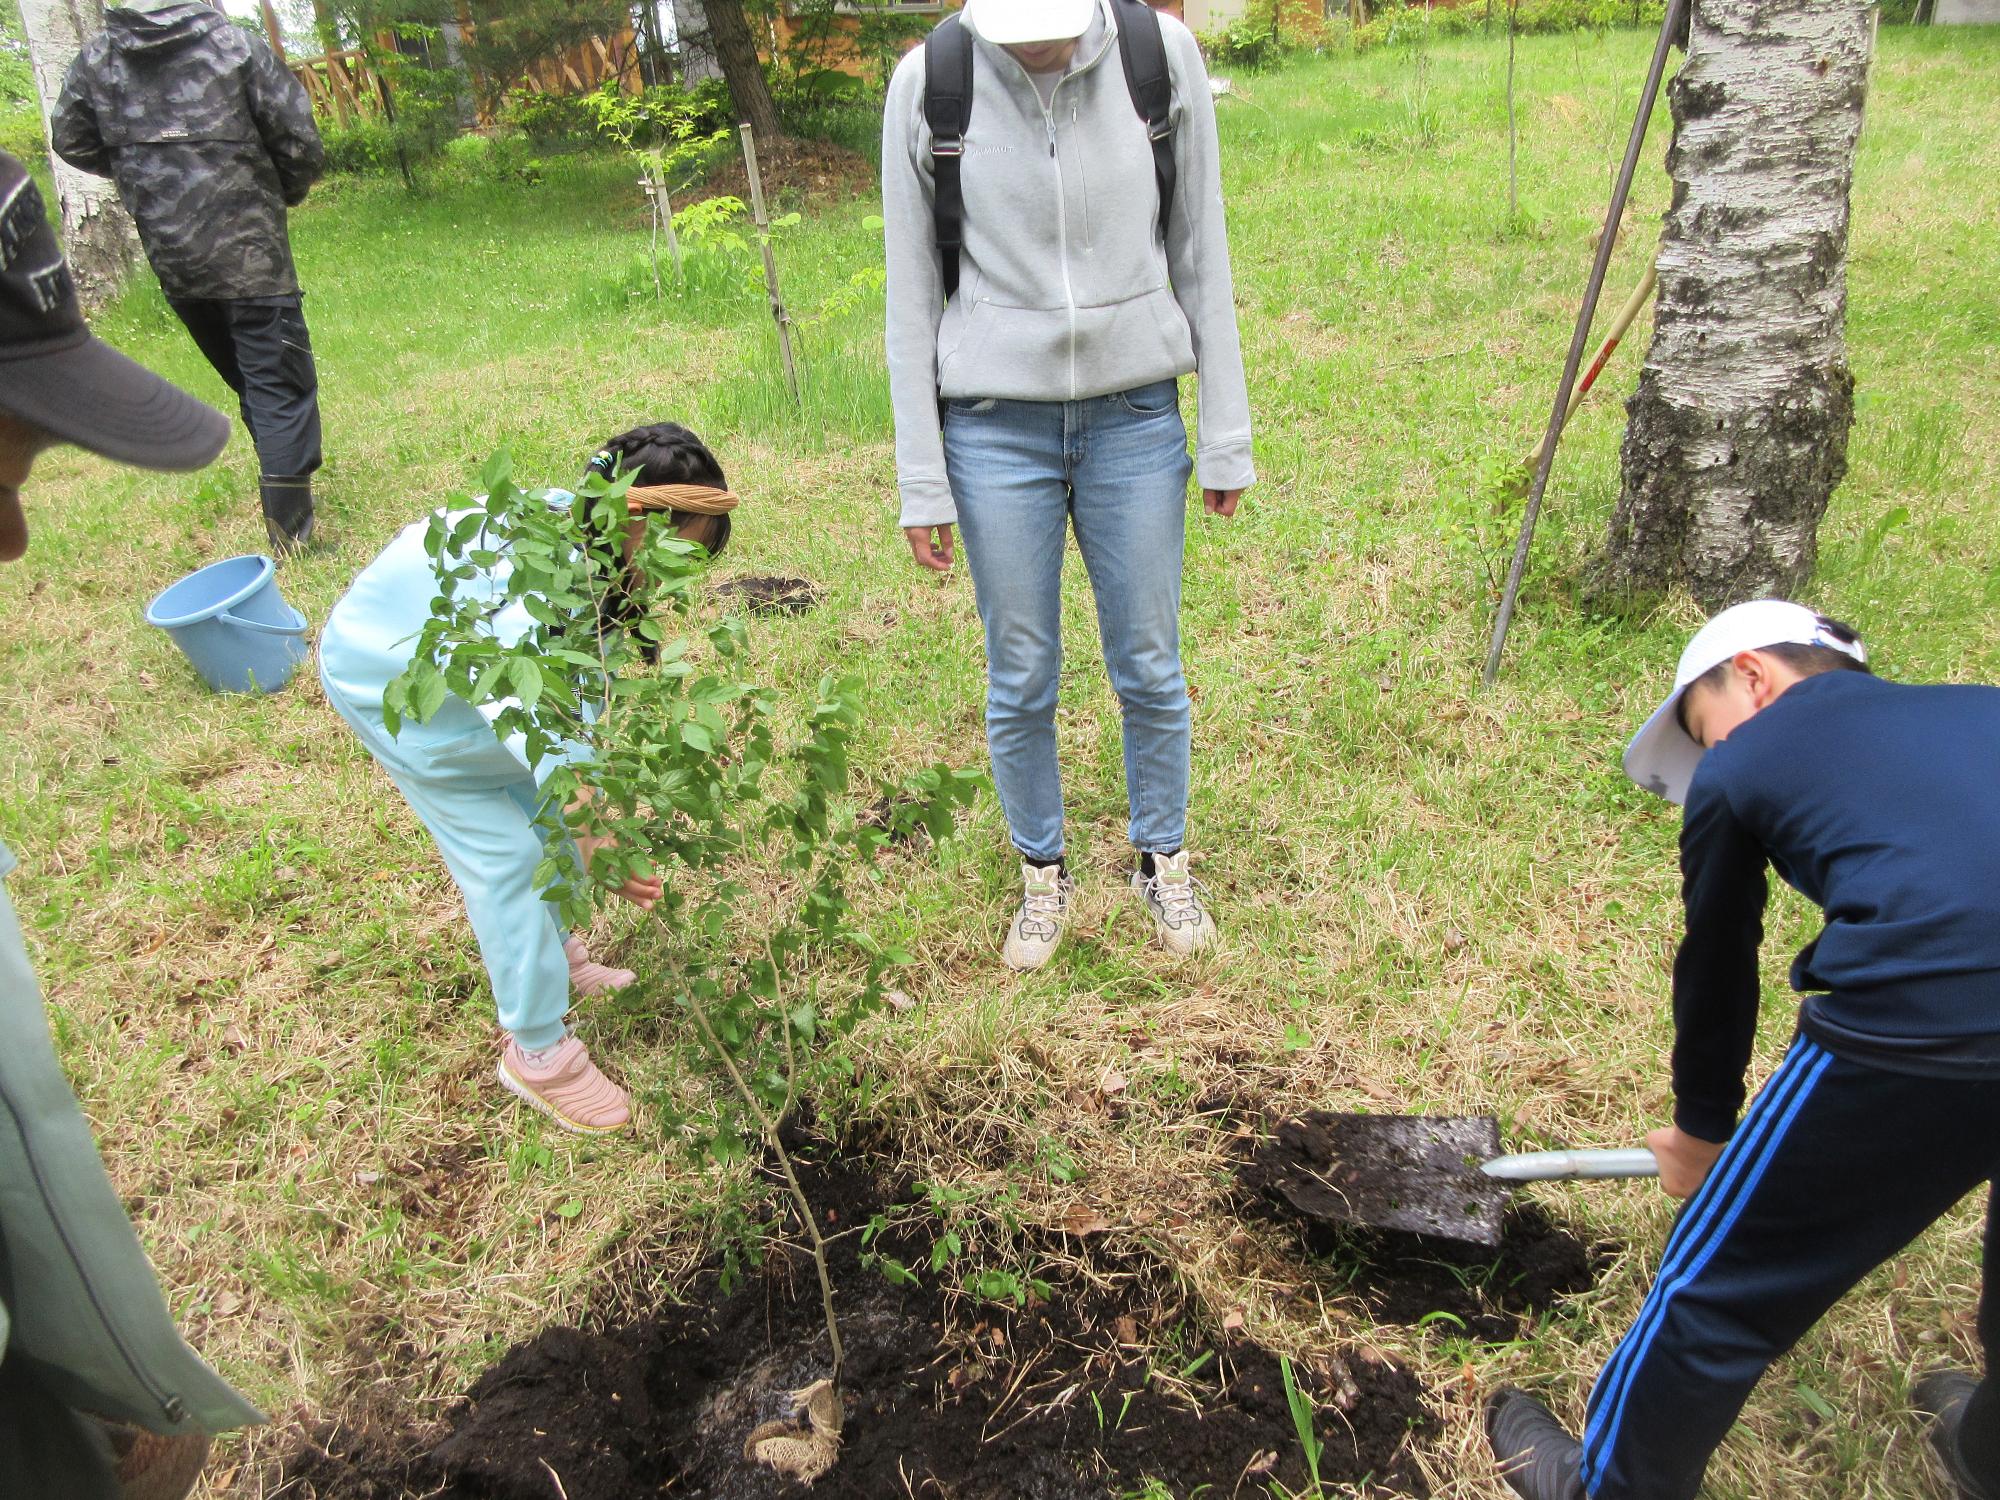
{"x":477,"y":796}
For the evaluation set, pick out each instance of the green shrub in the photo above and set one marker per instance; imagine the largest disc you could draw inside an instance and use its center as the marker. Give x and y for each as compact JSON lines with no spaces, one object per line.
{"x":365,"y":147}
{"x":549,"y":119}
{"x":1251,"y":40}
{"x":1409,"y":24}
{"x":21,"y":132}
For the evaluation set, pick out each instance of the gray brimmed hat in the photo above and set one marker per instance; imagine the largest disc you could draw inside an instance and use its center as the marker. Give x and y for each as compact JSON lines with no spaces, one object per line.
{"x":58,"y":376}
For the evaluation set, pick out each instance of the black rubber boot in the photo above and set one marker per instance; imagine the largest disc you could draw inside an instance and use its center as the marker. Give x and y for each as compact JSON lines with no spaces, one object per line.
{"x":288,"y":510}
{"x":1537,"y":1456}
{"x":1942,"y":1396}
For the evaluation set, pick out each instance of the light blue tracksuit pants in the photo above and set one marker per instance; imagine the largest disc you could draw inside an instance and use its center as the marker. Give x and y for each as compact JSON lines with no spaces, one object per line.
{"x":479,"y":803}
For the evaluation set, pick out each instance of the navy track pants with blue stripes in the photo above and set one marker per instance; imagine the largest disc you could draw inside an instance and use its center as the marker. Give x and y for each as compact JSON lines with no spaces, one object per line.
{"x":1835,"y":1167}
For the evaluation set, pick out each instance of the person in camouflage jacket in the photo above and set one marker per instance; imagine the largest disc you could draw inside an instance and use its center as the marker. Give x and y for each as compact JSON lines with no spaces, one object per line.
{"x":210,"y":139}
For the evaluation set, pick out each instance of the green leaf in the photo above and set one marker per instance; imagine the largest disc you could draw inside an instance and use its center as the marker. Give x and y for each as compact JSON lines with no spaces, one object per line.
{"x":526,"y":675}
{"x":1817,"y":1404}
{"x":570,"y":1209}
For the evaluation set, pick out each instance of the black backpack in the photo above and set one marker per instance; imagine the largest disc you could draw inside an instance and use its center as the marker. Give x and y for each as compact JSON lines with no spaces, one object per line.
{"x":948,"y":111}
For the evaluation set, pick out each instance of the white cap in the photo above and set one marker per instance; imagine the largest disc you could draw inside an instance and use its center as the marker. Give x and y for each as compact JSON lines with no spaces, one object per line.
{"x":1010,"y":23}
{"x":1662,"y":755}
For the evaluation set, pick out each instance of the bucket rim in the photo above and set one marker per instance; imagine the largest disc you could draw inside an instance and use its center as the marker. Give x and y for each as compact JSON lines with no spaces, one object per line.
{"x":214,"y":607}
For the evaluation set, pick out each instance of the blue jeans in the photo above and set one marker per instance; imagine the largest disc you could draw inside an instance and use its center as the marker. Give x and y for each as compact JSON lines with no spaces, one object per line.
{"x":1116,"y":467}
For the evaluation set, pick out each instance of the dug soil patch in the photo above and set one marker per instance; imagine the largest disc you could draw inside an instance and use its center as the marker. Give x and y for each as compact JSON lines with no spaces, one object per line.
{"x":1082,"y":1393}
{"x":1447,"y":1285}
{"x":773,"y":595}
{"x":795,"y":173}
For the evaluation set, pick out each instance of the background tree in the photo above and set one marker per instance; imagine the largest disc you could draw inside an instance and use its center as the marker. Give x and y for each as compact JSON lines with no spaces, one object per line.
{"x":97,"y":233}
{"x":1738,"y":431}
{"x":735,"y":50}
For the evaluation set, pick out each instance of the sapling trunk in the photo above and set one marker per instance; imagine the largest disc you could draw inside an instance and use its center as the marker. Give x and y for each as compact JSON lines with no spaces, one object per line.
{"x":768,"y":1128}
{"x":1513,"y":137}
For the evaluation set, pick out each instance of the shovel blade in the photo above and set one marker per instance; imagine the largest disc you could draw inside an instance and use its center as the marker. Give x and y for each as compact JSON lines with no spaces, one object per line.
{"x":1418,"y":1173}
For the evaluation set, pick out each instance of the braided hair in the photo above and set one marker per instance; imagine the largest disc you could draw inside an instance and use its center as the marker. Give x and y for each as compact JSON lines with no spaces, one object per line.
{"x":668,"y":453}
{"x":660,"y":453}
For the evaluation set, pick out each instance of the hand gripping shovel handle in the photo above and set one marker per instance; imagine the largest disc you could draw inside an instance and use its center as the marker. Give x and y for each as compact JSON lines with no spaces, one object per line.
{"x":1571,"y":1166}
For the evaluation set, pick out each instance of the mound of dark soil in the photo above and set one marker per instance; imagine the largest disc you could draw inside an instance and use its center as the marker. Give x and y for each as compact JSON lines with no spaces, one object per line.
{"x":795,"y":173}
{"x":771,"y":595}
{"x":1067,"y":1398}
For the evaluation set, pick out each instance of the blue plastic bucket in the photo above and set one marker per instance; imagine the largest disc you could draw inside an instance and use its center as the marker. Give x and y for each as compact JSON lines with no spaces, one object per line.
{"x":230,"y":620}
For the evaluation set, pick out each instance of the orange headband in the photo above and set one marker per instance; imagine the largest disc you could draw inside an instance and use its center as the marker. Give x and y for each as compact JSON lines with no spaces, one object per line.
{"x":701,"y":499}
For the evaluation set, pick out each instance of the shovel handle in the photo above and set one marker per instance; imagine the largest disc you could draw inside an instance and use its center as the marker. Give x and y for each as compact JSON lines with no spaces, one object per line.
{"x":1567,"y":1166}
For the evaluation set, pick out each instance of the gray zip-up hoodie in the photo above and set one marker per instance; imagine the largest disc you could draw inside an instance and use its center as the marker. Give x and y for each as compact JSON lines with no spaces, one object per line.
{"x":1066,"y":290}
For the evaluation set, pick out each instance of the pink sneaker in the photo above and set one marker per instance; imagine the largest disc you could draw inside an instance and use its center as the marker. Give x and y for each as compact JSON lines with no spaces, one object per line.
{"x":567,"y":1086}
{"x":589,"y":977}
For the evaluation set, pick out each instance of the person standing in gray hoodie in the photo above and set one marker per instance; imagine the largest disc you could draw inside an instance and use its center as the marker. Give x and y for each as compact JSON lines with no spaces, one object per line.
{"x":1042,"y":394}
{"x":210,"y":139}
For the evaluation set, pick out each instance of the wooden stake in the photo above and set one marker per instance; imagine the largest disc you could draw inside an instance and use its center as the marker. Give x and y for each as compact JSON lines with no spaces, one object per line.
{"x":778,"y":314}
{"x":1620,"y":326}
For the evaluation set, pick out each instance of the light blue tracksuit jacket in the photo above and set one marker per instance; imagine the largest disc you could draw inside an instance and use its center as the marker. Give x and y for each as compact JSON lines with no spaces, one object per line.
{"x":472,"y":790}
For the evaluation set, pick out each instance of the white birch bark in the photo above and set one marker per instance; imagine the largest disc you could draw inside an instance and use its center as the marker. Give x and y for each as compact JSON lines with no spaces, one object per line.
{"x":1738,"y":431}
{"x":97,"y":233}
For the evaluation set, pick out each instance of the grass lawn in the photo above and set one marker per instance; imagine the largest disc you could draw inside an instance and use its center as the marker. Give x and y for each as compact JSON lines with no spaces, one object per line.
{"x":1433,"y":898}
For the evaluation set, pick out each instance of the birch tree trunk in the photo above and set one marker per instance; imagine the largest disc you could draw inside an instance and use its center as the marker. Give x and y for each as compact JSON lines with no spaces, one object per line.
{"x":97,"y":233}
{"x":1738,"y":430}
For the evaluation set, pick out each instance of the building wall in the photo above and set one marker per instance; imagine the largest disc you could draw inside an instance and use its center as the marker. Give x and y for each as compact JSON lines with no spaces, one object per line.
{"x":1966,"y":13}
{"x":1206,"y":15}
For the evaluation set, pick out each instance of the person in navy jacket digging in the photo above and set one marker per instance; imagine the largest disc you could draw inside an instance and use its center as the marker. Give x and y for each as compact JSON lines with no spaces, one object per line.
{"x":1879,"y":801}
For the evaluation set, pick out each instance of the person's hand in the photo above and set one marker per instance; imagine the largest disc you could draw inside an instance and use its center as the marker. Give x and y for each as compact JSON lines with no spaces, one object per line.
{"x":641,"y":890}
{"x":931,"y":545}
{"x":1221,"y":502}
{"x":1684,"y":1159}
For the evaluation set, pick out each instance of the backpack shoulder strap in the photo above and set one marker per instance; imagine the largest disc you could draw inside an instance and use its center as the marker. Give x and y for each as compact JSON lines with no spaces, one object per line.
{"x":1144,"y":53}
{"x":948,"y":110}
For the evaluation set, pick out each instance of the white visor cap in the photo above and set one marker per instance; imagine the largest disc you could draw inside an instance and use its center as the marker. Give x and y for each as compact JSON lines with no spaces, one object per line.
{"x":1012,"y":23}
{"x":1662,"y":755}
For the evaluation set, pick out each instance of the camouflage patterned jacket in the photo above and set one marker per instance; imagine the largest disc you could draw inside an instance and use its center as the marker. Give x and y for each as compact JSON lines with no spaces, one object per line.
{"x":209,"y":138}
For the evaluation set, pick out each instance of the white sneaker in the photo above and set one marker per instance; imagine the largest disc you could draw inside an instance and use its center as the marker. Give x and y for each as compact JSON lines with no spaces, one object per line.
{"x":1038,"y":924}
{"x":1173,"y":899}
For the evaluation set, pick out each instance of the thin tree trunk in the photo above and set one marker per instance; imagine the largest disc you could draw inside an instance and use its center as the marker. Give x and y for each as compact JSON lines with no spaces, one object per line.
{"x":1738,"y":431}
{"x":1513,"y":134}
{"x":98,"y":236}
{"x":736,"y":55}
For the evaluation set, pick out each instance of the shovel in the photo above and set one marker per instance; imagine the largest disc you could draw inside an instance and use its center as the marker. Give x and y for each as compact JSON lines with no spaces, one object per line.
{"x":1429,"y":1174}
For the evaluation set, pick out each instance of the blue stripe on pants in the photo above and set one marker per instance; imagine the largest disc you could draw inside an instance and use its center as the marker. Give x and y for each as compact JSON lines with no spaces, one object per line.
{"x":1706,"y":1223}
{"x":1838,"y":1166}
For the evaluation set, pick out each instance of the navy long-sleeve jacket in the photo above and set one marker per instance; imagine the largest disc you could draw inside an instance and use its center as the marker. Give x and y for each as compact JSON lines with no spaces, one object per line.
{"x":1879,"y":801}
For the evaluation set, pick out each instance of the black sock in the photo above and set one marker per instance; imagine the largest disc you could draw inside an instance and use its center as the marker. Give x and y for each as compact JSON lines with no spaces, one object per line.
{"x":1146,"y":860}
{"x":1061,"y":862}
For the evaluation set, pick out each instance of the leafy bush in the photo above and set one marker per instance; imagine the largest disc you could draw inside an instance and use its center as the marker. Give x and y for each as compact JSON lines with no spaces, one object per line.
{"x":428,"y":104}
{"x":365,"y":147}
{"x":1266,"y":31}
{"x":549,"y":120}
{"x":832,"y":50}
{"x":1403,"y":25}
{"x":573,"y":120}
